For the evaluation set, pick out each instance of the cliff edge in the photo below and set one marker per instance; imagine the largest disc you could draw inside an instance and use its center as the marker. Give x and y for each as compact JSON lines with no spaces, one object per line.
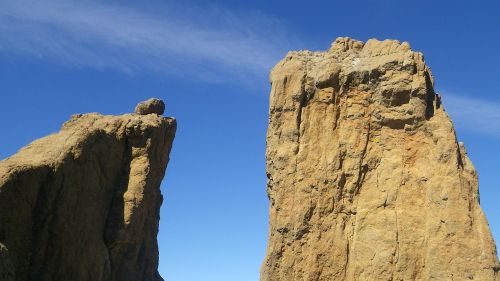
{"x":366,"y":178}
{"x":84,"y":203}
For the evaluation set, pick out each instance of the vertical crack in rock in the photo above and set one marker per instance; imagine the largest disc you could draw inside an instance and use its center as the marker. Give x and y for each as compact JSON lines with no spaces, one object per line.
{"x":84,"y":204}
{"x":367,"y":180}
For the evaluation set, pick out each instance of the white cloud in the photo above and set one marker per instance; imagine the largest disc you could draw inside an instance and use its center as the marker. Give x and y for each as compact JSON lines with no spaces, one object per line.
{"x":474,"y":114}
{"x":196,"y":43}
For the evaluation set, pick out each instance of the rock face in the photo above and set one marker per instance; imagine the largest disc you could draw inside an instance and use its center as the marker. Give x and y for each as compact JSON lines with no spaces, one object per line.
{"x":83,"y":204}
{"x":366,"y":178}
{"x":6,"y":267}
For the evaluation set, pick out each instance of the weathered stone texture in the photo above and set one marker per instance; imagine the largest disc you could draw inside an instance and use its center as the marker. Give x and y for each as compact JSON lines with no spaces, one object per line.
{"x":150,"y":106}
{"x":366,"y":178}
{"x":6,"y":267}
{"x":83,"y":204}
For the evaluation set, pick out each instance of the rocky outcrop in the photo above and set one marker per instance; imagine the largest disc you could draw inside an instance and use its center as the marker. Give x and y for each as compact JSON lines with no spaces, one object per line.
{"x":150,"y":106}
{"x":366,"y":178}
{"x":83,"y":204}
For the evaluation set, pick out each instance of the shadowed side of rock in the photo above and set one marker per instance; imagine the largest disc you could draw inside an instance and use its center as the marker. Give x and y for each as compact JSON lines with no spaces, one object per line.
{"x":83,"y":204}
{"x":366,"y":179}
{"x":6,"y":267}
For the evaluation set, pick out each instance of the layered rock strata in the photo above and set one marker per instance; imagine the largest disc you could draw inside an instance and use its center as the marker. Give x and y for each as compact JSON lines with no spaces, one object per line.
{"x":366,"y":178}
{"x":83,"y":204}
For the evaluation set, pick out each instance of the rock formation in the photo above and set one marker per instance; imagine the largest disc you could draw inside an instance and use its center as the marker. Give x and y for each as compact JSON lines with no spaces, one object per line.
{"x":366,"y":178}
{"x":150,"y":106}
{"x":83,"y":204}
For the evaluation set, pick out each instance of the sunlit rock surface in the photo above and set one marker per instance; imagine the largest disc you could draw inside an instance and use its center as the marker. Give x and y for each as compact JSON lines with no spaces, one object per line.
{"x":367,"y":180}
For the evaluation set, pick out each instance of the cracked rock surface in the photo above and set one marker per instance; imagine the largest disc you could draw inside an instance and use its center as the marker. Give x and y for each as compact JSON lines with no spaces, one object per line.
{"x":83,"y":204}
{"x":366,"y":178}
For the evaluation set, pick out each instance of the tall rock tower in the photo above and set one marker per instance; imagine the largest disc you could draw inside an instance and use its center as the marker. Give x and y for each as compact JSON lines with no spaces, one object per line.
{"x":367,"y":180}
{"x":84,"y":204}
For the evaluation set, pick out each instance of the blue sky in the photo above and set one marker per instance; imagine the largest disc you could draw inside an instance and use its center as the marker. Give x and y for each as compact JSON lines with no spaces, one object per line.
{"x":209,"y":60}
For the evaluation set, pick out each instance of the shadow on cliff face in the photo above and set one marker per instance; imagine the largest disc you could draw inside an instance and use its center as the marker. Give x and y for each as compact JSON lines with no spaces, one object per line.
{"x":72,"y":204}
{"x":124,"y":221}
{"x":115,"y":222}
{"x":430,"y":97}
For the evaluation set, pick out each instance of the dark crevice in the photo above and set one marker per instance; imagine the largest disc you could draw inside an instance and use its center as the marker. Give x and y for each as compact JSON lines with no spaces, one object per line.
{"x":459,"y":157}
{"x":430,"y":96}
{"x":438,"y":101}
{"x":115,"y":221}
{"x":361,"y":177}
{"x":363,"y":168}
{"x":347,"y":252}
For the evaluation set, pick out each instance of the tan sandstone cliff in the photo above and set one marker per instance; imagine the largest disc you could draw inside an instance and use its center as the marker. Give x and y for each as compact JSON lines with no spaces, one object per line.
{"x":83,"y":204}
{"x":366,"y":178}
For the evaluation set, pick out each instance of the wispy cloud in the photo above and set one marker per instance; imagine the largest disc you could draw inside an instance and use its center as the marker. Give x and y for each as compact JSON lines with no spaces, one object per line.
{"x":206,"y":43}
{"x":474,"y":114}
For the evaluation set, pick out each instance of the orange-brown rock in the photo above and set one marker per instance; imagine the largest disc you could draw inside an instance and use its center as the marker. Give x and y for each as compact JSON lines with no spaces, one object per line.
{"x":366,"y":178}
{"x":83,"y":204}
